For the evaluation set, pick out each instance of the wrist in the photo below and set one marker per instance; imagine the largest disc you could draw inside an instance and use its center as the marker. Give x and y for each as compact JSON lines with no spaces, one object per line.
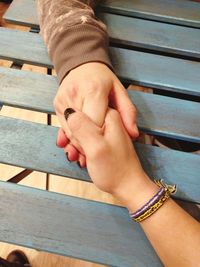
{"x":137,"y":192}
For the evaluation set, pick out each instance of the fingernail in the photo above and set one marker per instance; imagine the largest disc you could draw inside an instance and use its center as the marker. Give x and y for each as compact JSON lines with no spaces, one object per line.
{"x":136,"y":130}
{"x":68,"y":112}
{"x":78,"y":163}
{"x":67,"y":156}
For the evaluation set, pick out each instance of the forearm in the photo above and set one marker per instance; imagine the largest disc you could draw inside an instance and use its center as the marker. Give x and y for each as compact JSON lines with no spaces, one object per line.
{"x":72,"y":34}
{"x":173,"y":233}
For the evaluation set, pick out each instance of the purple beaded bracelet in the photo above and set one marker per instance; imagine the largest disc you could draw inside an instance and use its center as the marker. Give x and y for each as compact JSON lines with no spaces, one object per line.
{"x":149,"y":204}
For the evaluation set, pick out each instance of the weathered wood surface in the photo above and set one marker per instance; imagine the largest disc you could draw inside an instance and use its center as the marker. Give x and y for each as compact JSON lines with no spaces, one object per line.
{"x":157,"y":115}
{"x":22,"y":12}
{"x":156,"y":71}
{"x":181,"y":12}
{"x":23,"y":47}
{"x":73,"y":227}
{"x":156,"y":36}
{"x":32,"y":146}
{"x":110,"y":238}
{"x":145,"y":34}
{"x":137,"y":67}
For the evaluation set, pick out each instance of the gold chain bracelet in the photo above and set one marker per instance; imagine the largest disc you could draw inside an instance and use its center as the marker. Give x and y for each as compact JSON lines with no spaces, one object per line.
{"x":155,"y":202}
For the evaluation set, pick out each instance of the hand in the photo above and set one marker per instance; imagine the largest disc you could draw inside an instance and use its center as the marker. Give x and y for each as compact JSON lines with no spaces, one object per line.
{"x":90,"y":88}
{"x":112,"y":162}
{"x":114,"y":167}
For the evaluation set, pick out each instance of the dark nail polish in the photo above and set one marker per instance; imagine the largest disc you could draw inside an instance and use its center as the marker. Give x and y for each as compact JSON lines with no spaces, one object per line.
{"x":67,"y":157}
{"x":68,"y":112}
{"x":78,"y":163}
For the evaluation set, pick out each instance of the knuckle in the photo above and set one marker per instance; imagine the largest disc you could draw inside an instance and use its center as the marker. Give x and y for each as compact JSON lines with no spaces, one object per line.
{"x":99,"y":151}
{"x":64,"y":96}
{"x":93,"y":88}
{"x":72,"y":92}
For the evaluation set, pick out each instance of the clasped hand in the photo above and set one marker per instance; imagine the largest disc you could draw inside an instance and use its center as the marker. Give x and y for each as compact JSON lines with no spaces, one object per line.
{"x":91,"y":88}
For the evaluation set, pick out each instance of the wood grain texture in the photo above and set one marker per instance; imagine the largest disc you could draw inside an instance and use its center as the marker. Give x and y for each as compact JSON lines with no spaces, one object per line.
{"x":159,"y":72}
{"x":181,"y":12}
{"x":140,"y":33}
{"x":137,"y":67}
{"x":157,"y":115}
{"x":22,"y":12}
{"x":84,"y":229}
{"x":156,"y":36}
{"x":58,"y":184}
{"x":81,"y":239}
{"x":13,"y":47}
{"x":25,"y":144}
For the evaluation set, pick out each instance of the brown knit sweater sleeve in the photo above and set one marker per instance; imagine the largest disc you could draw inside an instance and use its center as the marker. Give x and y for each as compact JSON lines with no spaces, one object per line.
{"x":72,"y":34}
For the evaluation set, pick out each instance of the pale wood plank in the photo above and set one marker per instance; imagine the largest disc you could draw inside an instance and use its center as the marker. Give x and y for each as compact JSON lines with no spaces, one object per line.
{"x":39,"y":259}
{"x":80,"y":189}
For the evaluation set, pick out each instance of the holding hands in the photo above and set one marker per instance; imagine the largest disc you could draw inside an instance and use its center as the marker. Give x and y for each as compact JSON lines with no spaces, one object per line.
{"x":112,"y":162}
{"x":100,"y":136}
{"x":91,"y":88}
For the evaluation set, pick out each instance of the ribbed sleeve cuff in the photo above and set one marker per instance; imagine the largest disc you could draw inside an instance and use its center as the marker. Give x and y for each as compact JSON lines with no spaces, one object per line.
{"x":78,"y":45}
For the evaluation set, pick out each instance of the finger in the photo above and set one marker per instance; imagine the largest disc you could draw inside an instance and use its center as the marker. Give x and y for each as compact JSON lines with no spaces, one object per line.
{"x":116,"y":135}
{"x":95,"y":106}
{"x":85,"y":131}
{"x":114,"y":127}
{"x":68,"y":133}
{"x":62,"y":139}
{"x":127,"y":110}
{"x":81,"y":161}
{"x":71,"y":152}
{"x":64,"y":136}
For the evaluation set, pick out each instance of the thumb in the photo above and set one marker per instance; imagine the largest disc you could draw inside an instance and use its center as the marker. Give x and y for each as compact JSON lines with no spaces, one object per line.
{"x":127,"y":110}
{"x":84,"y":130}
{"x":95,"y":105}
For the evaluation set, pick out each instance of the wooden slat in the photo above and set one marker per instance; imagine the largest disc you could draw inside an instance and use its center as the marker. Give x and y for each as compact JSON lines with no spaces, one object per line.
{"x":73,"y":227}
{"x":13,"y":47}
{"x":152,"y":35}
{"x":140,"y":68}
{"x":25,"y":144}
{"x":161,"y":116}
{"x":181,"y":12}
{"x":156,"y":114}
{"x":158,"y":72}
{"x":22,"y":12}
{"x":145,"y":34}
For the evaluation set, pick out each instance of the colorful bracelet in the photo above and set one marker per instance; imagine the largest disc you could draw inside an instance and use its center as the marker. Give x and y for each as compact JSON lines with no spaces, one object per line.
{"x":155,"y":202}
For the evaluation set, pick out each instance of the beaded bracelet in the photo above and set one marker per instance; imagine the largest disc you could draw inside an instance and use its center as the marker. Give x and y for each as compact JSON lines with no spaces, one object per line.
{"x":155,"y":202}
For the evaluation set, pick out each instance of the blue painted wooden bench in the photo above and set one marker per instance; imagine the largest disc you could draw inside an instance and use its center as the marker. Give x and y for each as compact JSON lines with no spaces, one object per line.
{"x":165,"y":58}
